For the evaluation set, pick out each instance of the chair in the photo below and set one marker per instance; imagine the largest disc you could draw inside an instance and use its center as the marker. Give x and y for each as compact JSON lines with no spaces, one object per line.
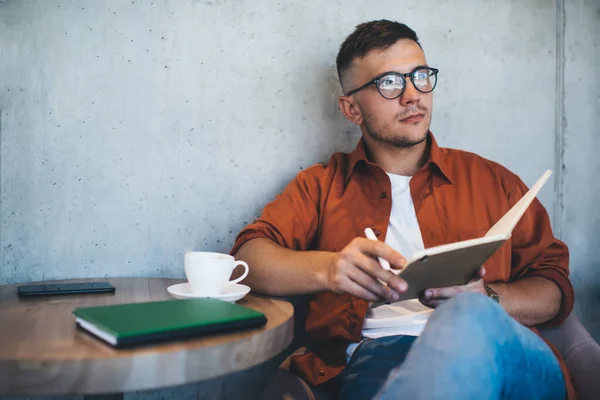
{"x":579,"y":350}
{"x":581,"y":354}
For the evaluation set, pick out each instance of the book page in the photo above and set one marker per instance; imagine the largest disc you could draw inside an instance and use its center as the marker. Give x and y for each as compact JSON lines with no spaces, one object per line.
{"x":508,"y":222}
{"x":400,"y":318}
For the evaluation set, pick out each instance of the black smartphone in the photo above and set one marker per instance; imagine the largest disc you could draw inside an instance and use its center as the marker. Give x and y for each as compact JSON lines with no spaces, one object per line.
{"x":47,"y":289}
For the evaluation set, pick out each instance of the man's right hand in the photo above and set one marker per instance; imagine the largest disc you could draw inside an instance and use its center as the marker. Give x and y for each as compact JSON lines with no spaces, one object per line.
{"x":355,"y":271}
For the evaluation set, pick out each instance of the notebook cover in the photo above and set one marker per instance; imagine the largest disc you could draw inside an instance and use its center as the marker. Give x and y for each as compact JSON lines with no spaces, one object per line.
{"x":152,"y":322}
{"x":449,"y":268}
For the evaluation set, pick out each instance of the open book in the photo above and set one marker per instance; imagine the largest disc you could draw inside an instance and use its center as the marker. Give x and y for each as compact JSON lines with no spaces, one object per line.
{"x":456,"y":263}
{"x":402,"y":318}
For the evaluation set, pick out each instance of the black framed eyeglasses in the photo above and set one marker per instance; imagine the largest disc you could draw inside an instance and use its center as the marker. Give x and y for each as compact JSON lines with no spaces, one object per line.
{"x":391,"y":85}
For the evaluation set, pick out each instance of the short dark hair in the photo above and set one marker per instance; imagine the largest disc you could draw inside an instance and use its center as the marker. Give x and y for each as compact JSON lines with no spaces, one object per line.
{"x":373,"y":35}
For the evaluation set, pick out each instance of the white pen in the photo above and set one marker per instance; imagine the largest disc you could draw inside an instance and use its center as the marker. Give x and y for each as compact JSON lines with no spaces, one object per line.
{"x":382,"y":261}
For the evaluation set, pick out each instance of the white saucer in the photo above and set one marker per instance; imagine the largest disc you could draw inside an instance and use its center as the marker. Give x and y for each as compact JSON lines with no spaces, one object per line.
{"x":231,"y":293}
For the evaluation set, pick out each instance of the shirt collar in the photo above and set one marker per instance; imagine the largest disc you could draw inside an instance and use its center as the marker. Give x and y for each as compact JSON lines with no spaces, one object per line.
{"x":436,"y":157}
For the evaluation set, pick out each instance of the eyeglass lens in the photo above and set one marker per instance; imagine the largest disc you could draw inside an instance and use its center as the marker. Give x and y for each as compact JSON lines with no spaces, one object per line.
{"x":391,"y":85}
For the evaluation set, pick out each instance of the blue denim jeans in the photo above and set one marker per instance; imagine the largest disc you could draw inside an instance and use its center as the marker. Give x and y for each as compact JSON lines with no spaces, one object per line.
{"x":470,"y":349}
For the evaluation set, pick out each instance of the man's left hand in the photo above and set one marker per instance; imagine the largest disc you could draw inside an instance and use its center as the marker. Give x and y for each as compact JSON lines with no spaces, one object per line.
{"x":436,"y":296}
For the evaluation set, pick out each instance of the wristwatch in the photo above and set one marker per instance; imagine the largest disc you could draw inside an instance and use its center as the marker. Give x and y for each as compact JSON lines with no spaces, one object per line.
{"x":492,"y":294}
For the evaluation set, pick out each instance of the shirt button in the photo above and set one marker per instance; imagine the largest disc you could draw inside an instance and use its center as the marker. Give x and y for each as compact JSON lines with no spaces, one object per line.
{"x":377,"y":232}
{"x":383,"y":195}
{"x":322,"y":372}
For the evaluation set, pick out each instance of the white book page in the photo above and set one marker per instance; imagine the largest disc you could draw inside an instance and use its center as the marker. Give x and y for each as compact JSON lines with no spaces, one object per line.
{"x":107,"y":337}
{"x":401,"y":318}
{"x":508,"y":222}
{"x":408,"y":312}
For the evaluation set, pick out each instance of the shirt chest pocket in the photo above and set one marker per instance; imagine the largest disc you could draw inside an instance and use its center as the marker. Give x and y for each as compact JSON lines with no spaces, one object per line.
{"x":498,"y":265}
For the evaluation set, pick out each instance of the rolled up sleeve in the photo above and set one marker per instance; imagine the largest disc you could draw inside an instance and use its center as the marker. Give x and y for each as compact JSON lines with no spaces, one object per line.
{"x":536,"y":252}
{"x":291,"y":220}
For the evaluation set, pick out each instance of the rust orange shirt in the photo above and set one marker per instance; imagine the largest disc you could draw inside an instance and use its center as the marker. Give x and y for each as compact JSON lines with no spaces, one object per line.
{"x":457,"y":196}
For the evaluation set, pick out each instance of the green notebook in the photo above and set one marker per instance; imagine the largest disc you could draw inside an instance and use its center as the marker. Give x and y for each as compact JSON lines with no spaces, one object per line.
{"x":125,"y":325}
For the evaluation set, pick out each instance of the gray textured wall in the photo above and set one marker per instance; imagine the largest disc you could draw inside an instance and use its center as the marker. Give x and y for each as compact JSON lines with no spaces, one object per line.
{"x":579,"y":133}
{"x":132,"y":131}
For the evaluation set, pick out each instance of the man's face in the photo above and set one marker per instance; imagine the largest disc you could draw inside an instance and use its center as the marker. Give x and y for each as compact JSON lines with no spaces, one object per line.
{"x":402,"y":122}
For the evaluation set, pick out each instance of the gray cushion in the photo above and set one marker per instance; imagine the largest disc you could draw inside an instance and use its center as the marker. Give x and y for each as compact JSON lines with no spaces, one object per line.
{"x":581,"y":353}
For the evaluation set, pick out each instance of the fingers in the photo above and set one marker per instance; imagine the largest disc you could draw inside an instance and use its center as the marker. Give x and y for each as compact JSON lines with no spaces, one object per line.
{"x":360,"y":252}
{"x":354,"y":267}
{"x":444,"y":292}
{"x":372,"y":267}
{"x":381,"y":249}
{"x":432,"y":303}
{"x":358,"y":290}
{"x":478,"y":275}
{"x":451,"y":291}
{"x":435,"y":296}
{"x":356,"y":271}
{"x":373,"y":285}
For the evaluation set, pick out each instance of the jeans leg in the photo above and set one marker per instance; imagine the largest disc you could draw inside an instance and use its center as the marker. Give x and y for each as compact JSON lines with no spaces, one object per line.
{"x":370,"y":365}
{"x":472,"y":349}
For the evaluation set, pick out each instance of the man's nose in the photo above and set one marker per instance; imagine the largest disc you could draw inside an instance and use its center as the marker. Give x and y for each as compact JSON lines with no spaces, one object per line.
{"x":411,"y":95}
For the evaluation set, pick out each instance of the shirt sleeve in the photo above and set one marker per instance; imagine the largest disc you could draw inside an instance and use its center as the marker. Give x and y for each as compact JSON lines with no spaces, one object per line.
{"x":291,"y":220}
{"x":536,"y":252}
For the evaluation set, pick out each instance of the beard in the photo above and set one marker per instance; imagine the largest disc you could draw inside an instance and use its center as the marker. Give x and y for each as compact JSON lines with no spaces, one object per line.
{"x":387,"y":135}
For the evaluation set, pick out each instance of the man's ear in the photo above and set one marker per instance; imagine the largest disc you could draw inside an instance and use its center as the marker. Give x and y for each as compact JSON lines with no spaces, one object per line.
{"x":351,"y":110}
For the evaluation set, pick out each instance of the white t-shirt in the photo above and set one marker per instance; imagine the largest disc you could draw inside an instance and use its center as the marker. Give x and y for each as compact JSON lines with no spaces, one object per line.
{"x":404,"y":236}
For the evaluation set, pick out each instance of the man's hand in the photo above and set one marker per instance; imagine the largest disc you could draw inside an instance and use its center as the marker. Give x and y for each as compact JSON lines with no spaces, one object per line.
{"x":434,"y":297}
{"x":355,"y":271}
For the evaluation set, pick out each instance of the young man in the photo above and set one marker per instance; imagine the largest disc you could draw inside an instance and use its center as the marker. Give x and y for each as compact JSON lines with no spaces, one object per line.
{"x":414,"y":195}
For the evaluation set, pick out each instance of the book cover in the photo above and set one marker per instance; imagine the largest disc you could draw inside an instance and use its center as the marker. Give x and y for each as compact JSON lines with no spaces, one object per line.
{"x":150,"y":322}
{"x":455,"y":263}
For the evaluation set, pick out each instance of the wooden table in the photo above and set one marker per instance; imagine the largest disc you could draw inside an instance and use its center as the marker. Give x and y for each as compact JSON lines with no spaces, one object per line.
{"x":41,"y":352}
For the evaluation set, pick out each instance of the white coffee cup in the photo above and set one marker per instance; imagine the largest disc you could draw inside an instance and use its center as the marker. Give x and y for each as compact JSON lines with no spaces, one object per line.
{"x":209,"y":273}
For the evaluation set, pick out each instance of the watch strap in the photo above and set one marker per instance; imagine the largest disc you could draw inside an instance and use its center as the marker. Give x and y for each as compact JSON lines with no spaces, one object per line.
{"x":491,"y":293}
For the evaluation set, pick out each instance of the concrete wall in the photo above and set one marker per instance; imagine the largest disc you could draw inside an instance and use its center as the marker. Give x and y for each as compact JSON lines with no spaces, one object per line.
{"x":133,"y":131}
{"x":579,"y":193}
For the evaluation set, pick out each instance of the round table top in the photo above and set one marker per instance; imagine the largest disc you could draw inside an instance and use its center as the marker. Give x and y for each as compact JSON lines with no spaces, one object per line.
{"x":42,"y":352}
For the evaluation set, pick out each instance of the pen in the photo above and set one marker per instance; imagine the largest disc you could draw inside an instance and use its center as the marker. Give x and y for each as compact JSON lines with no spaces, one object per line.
{"x":384,"y":264}
{"x":382,"y":261}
